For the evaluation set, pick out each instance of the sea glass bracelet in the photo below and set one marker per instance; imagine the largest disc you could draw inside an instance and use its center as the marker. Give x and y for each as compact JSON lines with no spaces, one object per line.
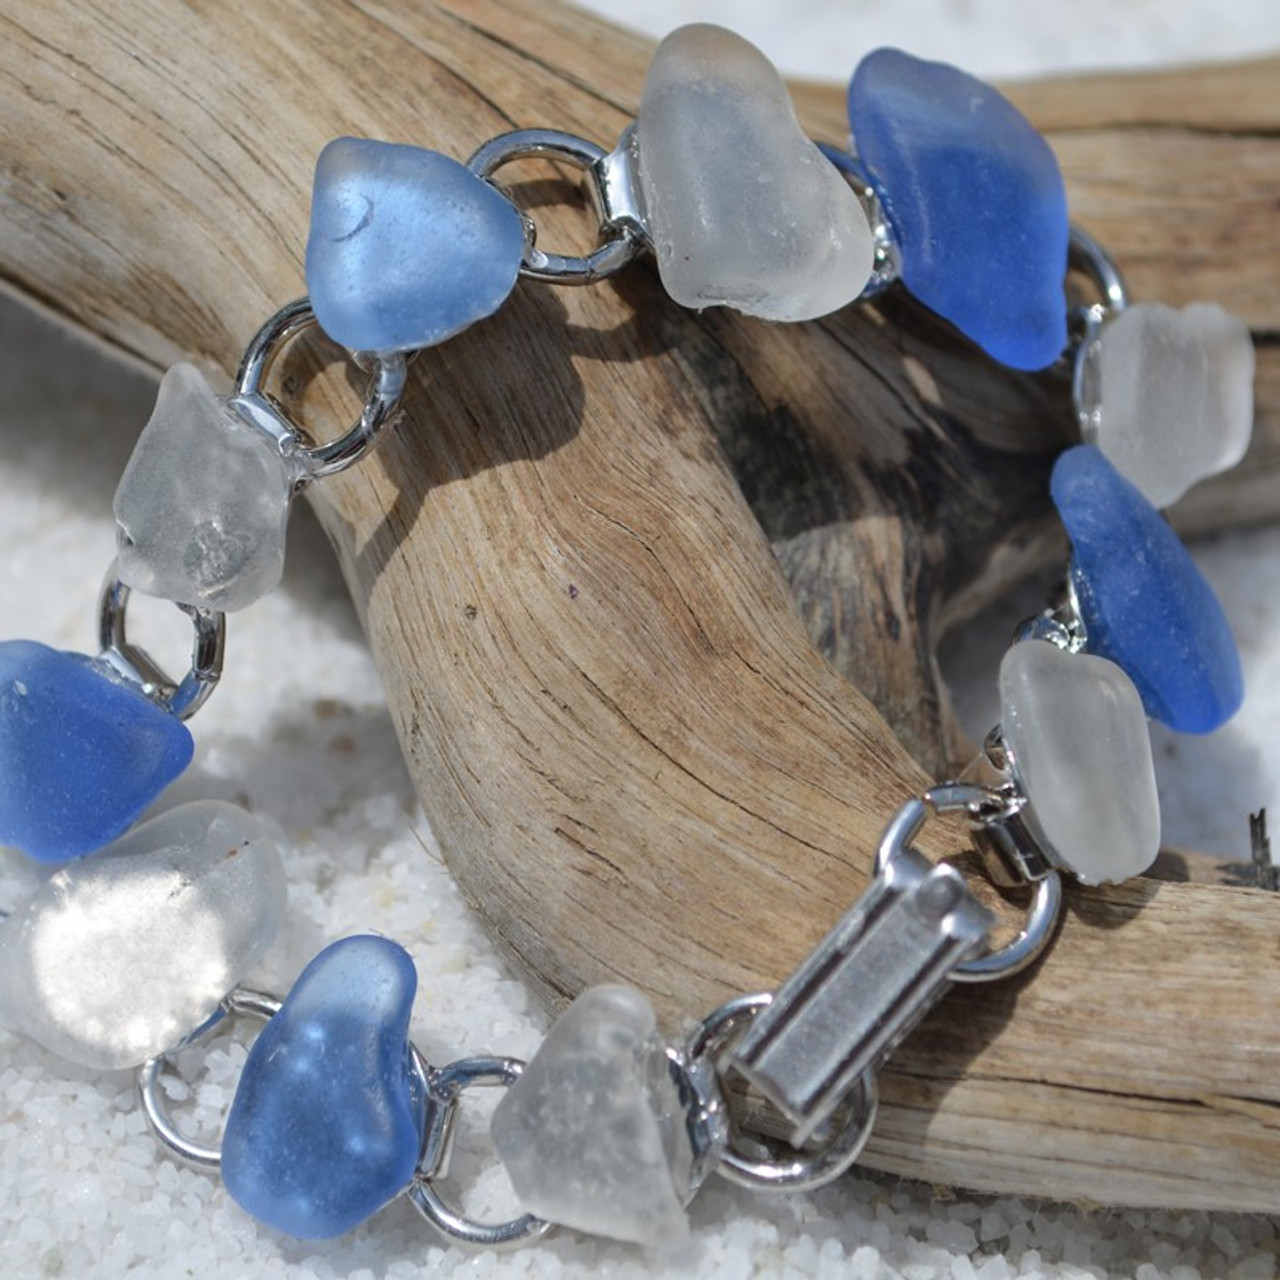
{"x":609,"y":1128}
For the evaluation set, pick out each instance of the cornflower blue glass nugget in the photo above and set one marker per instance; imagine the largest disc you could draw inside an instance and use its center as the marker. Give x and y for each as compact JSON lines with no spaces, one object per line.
{"x":82,"y":752}
{"x":1144,"y":603}
{"x":327,"y":1122}
{"x":975,"y":200}
{"x":407,"y":246}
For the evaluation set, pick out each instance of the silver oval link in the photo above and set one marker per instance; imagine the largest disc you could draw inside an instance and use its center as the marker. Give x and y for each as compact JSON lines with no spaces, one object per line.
{"x":722,"y":1024}
{"x":1032,"y":939}
{"x":288,"y":322}
{"x":1087,"y":255}
{"x":208,"y":651}
{"x":445,"y":1085}
{"x":239,"y":1003}
{"x":977,"y":801}
{"x":382,"y":402}
{"x":806,"y":1171}
{"x":622,"y":241}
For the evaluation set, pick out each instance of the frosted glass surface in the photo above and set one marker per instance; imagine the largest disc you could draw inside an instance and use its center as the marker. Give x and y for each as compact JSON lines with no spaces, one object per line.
{"x":407,"y":246}
{"x":1167,"y":395}
{"x":118,"y":957}
{"x":82,"y":753}
{"x":1079,"y":737}
{"x":743,"y":209}
{"x":327,"y":1121}
{"x":975,"y":199}
{"x":1144,"y":603}
{"x":592,"y":1131}
{"x":202,"y":506}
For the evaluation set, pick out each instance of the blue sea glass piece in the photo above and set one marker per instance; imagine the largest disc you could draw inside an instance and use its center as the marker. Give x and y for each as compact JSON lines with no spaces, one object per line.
{"x":82,"y":753}
{"x":1144,"y":603}
{"x":407,"y":247}
{"x":327,"y":1122}
{"x":975,"y":199}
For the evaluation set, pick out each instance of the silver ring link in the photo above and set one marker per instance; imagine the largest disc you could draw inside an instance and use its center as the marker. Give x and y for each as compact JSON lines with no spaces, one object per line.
{"x":240,"y":1003}
{"x":807,"y":1170}
{"x":208,"y":649}
{"x":621,"y":242}
{"x":1087,"y":255}
{"x":977,"y":801}
{"x":445,"y":1086}
{"x":1032,"y":939}
{"x":390,"y":372}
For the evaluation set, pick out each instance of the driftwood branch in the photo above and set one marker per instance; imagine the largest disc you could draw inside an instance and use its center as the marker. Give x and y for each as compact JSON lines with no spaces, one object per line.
{"x":657,"y":595}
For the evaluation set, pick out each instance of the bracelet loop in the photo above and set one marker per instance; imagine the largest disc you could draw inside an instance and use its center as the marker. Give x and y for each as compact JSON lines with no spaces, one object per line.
{"x":622,"y":240}
{"x":390,"y":372}
{"x":978,"y":802}
{"x":208,"y":649}
{"x":1087,"y":255}
{"x":806,"y":1170}
{"x":445,"y":1086}
{"x":239,"y":1003}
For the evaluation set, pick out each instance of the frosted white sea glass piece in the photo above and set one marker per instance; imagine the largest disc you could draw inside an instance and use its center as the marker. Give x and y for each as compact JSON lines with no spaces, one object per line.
{"x":202,"y":506}
{"x":592,"y":1134}
{"x":1082,"y":754}
{"x":1167,"y":395}
{"x":118,"y":957}
{"x":742,"y":208}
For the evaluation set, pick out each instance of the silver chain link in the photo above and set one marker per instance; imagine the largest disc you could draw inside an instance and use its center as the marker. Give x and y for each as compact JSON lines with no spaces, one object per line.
{"x":445,"y":1086}
{"x":208,"y":651}
{"x":382,"y":402}
{"x":621,"y":231}
{"x":239,"y":1003}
